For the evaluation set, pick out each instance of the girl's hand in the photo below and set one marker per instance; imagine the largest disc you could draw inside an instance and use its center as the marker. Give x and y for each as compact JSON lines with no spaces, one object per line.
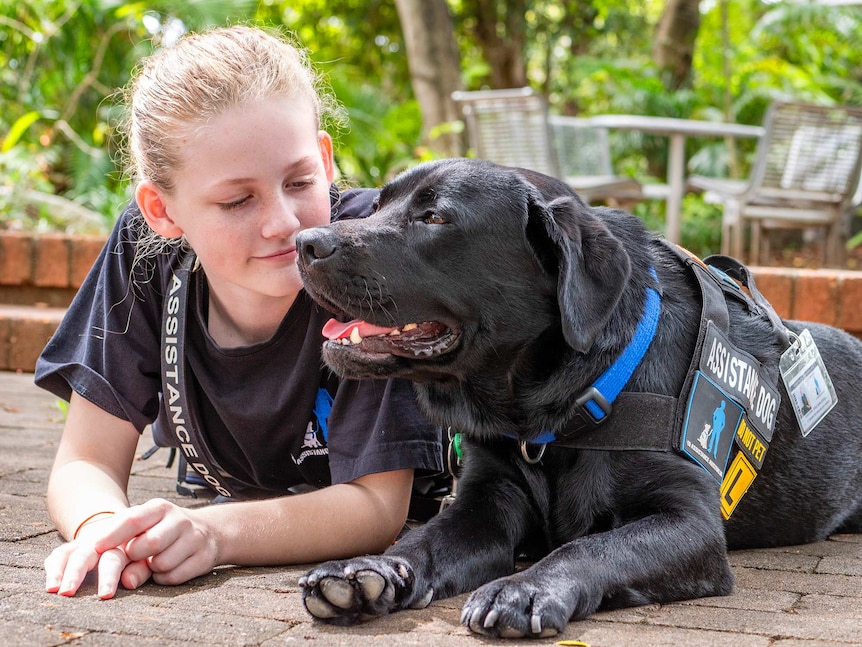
{"x":68,"y":565}
{"x":157,"y":539}
{"x":172,"y":541}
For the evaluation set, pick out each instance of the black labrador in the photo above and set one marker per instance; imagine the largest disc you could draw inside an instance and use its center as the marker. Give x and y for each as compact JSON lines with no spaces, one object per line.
{"x":507,"y":300}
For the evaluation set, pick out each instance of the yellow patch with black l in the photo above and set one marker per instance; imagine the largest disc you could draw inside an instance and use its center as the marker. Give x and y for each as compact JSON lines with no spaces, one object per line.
{"x":736,"y":482}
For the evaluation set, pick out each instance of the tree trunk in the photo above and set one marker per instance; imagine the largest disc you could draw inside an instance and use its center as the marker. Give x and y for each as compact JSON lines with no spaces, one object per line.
{"x":435,"y":69}
{"x":501,"y":31}
{"x":674,"y":42}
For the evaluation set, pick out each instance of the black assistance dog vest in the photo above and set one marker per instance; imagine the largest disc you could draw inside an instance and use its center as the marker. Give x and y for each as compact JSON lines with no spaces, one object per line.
{"x":725,"y":414}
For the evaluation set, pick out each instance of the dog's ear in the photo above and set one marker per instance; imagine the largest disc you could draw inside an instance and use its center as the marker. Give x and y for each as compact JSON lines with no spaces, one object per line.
{"x":591,"y":264}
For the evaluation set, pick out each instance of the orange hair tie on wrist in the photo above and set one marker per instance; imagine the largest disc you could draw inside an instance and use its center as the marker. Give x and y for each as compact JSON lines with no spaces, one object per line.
{"x":88,"y":520}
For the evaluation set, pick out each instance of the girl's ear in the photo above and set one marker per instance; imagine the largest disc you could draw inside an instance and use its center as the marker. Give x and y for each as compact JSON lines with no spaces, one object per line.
{"x":152,"y":206}
{"x":324,"y":142}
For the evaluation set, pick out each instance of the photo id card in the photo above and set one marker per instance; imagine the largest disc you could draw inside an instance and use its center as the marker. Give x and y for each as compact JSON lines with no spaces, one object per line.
{"x":804,"y":373}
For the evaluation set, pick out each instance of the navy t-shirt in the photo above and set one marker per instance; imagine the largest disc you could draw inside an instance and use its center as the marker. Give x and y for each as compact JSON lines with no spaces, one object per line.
{"x":272,"y":414}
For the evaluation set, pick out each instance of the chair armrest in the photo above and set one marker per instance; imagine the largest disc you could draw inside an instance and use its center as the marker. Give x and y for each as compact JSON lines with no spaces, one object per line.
{"x":723,"y":187}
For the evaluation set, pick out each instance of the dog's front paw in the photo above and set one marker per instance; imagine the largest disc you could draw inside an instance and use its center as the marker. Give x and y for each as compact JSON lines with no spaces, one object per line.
{"x":349,"y":591}
{"x":514,"y":608}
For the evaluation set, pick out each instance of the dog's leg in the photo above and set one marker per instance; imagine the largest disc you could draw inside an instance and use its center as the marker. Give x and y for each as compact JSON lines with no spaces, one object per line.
{"x":853,"y":524}
{"x":454,"y":552}
{"x":668,"y":556}
{"x":470,"y":543}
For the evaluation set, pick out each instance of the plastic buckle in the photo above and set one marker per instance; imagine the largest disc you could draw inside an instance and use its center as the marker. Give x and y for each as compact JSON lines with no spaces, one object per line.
{"x":583,"y":420}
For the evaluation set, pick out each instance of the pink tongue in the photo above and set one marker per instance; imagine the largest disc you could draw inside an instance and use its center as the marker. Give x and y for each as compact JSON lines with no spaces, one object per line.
{"x":339,"y":330}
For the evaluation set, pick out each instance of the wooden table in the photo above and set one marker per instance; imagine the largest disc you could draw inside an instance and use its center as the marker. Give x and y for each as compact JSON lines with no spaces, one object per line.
{"x":676,"y":130}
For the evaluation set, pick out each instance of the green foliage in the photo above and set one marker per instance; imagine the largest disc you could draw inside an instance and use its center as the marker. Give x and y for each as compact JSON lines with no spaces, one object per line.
{"x":62,"y":62}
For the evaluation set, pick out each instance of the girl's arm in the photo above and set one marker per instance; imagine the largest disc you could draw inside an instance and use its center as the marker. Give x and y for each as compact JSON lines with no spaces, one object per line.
{"x":343,"y":520}
{"x":92,"y":466}
{"x":175,"y":544}
{"x":89,"y":477}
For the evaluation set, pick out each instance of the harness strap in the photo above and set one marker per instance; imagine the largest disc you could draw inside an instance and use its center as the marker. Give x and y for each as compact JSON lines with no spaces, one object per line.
{"x":736,"y":274}
{"x":650,"y":421}
{"x":181,"y":414}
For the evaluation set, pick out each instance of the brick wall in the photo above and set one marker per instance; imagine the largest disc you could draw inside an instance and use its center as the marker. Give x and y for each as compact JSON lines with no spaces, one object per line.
{"x":45,"y":268}
{"x":40,"y":273}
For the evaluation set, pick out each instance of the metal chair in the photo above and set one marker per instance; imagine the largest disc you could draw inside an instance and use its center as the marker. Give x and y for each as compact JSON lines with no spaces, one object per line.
{"x":513,"y":128}
{"x":805,"y":174}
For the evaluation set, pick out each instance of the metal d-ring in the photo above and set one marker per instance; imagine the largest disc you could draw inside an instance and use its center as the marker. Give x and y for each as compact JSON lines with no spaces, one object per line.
{"x":526,"y":454}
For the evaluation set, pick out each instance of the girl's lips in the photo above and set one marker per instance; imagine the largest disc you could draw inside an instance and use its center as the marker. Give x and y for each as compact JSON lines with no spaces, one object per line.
{"x":279,"y":255}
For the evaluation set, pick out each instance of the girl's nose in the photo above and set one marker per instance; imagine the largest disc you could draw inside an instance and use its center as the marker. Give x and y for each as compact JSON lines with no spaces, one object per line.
{"x":281,"y":220}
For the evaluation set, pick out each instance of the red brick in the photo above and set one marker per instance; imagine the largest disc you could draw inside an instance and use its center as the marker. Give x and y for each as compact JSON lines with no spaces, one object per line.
{"x":816,"y":295}
{"x":51,"y":261}
{"x":27,"y":334}
{"x":84,"y":251}
{"x":5,"y":343}
{"x":850,"y":301}
{"x":776,"y":284}
{"x":15,"y":258}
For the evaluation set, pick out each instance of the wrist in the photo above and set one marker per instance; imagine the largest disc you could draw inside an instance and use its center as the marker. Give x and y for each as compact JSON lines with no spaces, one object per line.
{"x":95,"y":517}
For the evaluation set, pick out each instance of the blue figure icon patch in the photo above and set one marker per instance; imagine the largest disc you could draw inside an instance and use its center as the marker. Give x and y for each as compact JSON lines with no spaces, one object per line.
{"x":711,"y":421}
{"x":718,"y":420}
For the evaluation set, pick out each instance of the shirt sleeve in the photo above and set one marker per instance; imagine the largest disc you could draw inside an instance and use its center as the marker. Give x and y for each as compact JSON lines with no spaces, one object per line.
{"x":106,"y":349}
{"x":354,"y":203}
{"x":376,"y":426}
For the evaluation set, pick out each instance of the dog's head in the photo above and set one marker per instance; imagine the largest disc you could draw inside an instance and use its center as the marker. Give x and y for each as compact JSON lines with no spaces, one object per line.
{"x":462,"y":264}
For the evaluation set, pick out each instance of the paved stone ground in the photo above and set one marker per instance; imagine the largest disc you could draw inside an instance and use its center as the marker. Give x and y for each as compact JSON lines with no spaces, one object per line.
{"x":805,"y":596}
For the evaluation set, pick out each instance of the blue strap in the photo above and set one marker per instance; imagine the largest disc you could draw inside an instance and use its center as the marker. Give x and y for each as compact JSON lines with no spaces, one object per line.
{"x":609,"y":384}
{"x":612,"y":381}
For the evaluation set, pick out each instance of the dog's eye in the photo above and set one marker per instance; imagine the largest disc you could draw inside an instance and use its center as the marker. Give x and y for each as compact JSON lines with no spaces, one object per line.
{"x":433,"y":218}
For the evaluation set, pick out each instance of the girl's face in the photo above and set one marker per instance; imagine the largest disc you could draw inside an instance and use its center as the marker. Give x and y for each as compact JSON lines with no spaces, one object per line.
{"x":250,"y":180}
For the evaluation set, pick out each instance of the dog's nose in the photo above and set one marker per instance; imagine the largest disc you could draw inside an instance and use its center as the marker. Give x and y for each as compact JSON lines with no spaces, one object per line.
{"x":316,"y":244}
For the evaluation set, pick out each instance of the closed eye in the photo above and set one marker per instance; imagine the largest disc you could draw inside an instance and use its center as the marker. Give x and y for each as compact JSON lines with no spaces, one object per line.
{"x":235,"y":204}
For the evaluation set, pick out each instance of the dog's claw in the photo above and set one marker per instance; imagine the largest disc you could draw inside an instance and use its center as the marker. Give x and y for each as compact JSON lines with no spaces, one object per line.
{"x":536,"y":624}
{"x":472,"y":620}
{"x":491,"y":618}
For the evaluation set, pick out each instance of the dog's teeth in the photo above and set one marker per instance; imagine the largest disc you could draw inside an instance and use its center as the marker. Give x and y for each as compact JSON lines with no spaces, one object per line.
{"x":409,"y":327}
{"x":395,"y":333}
{"x":355,"y":337}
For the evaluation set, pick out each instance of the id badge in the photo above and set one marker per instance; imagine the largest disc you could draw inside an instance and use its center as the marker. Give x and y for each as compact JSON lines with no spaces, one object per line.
{"x":808,"y":384}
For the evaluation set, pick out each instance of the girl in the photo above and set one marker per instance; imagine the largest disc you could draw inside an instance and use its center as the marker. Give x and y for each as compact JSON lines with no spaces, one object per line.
{"x":215,"y":336}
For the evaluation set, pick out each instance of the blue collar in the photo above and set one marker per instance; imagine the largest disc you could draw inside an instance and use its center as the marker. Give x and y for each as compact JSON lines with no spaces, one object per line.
{"x":595,"y":403}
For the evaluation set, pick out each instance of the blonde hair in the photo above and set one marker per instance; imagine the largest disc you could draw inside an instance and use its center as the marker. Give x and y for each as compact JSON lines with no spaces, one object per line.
{"x":184,"y":85}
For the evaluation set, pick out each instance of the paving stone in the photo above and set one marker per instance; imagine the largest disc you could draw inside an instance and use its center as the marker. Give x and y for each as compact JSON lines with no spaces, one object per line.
{"x":798,"y":596}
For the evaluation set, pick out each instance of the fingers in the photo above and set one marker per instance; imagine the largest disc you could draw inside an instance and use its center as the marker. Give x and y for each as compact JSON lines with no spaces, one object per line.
{"x":55,"y":565}
{"x":164,"y":539}
{"x":131,"y":522}
{"x":136,"y":574}
{"x":155,"y":539}
{"x":111,"y":566}
{"x":67,"y":566}
{"x":184,"y":551}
